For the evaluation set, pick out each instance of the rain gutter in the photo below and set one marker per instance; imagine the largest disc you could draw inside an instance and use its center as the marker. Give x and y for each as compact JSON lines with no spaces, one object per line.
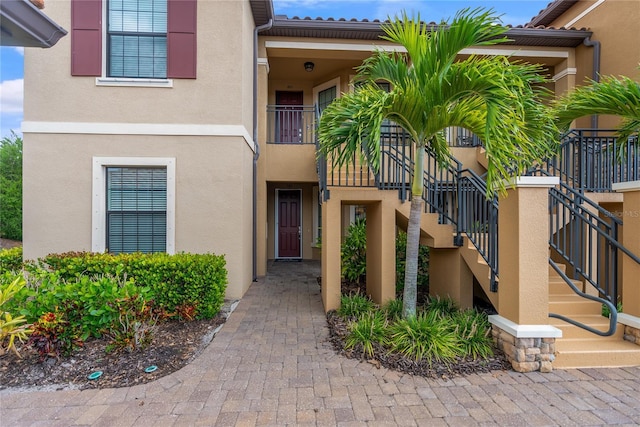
{"x":256,"y":153}
{"x":596,"y":70}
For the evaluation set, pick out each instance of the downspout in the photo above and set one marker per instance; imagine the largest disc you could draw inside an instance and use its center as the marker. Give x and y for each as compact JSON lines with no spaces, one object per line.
{"x":596,"y":70}
{"x":256,"y":153}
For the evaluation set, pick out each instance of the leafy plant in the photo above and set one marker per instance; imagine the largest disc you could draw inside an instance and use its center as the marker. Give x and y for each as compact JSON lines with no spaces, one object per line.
{"x":53,"y":336}
{"x":353,"y":306}
{"x":199,"y":280}
{"x":442,"y":306}
{"x":136,"y":324}
{"x":354,"y":252}
{"x":393,"y":310}
{"x":11,"y":187}
{"x":607,"y":313}
{"x":11,"y":327}
{"x":11,"y":259}
{"x":370,"y":328}
{"x":425,"y":337}
{"x":474,"y":332}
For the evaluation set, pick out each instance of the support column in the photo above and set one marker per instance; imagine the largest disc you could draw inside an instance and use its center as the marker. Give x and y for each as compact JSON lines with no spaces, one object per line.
{"x":331,"y":274}
{"x":521,"y":329}
{"x":450,"y":276}
{"x":381,"y":257}
{"x":630,"y":269}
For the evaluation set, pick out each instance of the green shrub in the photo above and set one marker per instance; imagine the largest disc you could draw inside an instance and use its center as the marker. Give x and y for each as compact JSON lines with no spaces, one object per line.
{"x":353,"y":306}
{"x":11,"y":259}
{"x":370,"y":328}
{"x":354,"y":252}
{"x":401,"y":256}
{"x":11,"y":187}
{"x":393,"y":310}
{"x":90,"y":307}
{"x":187,"y":283}
{"x":425,"y":337}
{"x":442,"y":306}
{"x":11,"y":326}
{"x":474,"y":332}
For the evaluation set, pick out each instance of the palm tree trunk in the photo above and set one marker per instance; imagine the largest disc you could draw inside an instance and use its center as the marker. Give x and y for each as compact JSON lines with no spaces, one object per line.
{"x":413,"y":238}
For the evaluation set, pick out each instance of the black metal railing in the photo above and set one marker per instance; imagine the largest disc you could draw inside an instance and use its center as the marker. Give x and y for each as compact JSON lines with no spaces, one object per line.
{"x":291,"y":124}
{"x":478,"y":218}
{"x":592,"y":160}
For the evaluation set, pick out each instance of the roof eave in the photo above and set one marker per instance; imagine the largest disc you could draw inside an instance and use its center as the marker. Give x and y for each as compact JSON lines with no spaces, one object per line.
{"x":22,"y":24}
{"x":552,"y":12}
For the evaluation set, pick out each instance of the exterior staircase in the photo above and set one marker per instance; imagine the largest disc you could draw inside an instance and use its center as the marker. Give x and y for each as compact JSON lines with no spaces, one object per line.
{"x":579,"y":348}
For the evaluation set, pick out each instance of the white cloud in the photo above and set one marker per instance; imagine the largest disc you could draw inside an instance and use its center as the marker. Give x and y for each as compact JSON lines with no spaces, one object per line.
{"x":19,"y":49}
{"x":11,"y":96}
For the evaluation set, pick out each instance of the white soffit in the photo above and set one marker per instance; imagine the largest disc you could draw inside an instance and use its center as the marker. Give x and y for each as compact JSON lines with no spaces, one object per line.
{"x":357,"y":47}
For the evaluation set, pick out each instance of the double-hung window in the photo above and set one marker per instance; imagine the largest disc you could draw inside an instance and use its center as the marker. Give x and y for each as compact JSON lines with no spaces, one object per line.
{"x":136,"y":209}
{"x":137,"y":38}
{"x":133,"y":204}
{"x":134,"y":39}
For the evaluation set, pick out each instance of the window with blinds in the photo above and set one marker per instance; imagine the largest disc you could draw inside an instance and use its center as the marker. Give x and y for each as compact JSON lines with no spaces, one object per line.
{"x":137,"y":38}
{"x":136,"y":209}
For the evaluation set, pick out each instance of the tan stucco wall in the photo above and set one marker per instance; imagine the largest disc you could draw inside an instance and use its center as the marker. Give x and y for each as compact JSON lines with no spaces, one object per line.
{"x":225,"y":49}
{"x":213,"y":194}
{"x":614,"y":24}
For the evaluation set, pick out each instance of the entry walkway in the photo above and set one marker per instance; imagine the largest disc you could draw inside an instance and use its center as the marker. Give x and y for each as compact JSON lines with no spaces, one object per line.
{"x":271,"y":364}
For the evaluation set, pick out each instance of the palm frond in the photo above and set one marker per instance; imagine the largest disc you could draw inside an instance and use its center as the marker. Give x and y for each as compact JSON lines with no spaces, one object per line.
{"x":615,"y":96}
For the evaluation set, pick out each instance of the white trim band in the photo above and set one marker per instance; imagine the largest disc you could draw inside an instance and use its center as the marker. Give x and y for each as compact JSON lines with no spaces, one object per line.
{"x":139,"y":129}
{"x":122,"y":82}
{"x":629,"y":320}
{"x":525,"y":331}
{"x":564,"y":73}
{"x":622,"y":187}
{"x":533,"y":181}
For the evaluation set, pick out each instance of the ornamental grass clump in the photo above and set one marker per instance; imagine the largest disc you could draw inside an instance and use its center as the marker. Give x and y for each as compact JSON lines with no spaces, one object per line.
{"x":426,"y":336}
{"x":370,"y":329}
{"x":353,"y":306}
{"x":474,"y":332}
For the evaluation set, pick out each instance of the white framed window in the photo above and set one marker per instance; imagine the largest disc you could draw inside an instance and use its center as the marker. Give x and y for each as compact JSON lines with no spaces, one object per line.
{"x":133,"y":204}
{"x":135,"y":40}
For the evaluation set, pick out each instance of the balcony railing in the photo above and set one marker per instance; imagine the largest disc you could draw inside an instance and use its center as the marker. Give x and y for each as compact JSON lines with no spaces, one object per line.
{"x":291,"y":124}
{"x":591,"y":160}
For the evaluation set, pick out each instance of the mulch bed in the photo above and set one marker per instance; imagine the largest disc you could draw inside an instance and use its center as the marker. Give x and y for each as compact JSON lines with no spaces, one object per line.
{"x":338,"y":331}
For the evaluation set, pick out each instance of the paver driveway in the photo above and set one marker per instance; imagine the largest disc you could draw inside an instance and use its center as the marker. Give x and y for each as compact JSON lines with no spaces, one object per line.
{"x":271,"y":364}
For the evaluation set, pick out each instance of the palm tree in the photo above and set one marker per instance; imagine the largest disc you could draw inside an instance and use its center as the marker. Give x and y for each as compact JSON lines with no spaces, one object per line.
{"x":430,"y":91}
{"x":615,"y":96}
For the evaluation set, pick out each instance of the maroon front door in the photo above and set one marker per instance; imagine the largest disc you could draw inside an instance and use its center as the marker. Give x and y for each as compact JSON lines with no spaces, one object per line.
{"x":289,"y":117}
{"x":289,"y":227}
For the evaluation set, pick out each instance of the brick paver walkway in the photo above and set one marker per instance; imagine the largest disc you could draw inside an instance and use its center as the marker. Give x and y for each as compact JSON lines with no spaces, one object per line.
{"x":271,"y":364}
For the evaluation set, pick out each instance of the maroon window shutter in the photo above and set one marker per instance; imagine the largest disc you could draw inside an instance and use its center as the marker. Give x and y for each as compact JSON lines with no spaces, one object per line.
{"x":181,"y":39}
{"x":86,"y":37}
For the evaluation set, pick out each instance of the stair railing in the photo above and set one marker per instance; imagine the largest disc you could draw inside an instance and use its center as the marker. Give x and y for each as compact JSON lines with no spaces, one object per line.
{"x":585,"y":236}
{"x":478,"y":219}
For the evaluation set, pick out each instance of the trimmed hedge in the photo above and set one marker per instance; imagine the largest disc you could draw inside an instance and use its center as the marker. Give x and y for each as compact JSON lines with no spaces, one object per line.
{"x":193,"y":285}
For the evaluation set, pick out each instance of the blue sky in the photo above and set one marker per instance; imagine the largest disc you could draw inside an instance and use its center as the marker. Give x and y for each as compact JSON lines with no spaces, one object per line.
{"x":513,"y":12}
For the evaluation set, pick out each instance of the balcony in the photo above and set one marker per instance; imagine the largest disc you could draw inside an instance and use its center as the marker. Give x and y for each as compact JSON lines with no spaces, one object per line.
{"x":291,"y":124}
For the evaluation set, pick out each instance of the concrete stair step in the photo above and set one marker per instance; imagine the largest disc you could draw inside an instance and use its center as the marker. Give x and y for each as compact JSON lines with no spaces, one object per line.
{"x":557,"y":286}
{"x":595,"y":321}
{"x":573,"y":305}
{"x":596,"y":352}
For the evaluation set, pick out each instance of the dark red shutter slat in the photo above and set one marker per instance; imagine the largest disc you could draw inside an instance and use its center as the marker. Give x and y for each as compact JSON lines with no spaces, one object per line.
{"x":181,"y":39}
{"x":86,"y":37}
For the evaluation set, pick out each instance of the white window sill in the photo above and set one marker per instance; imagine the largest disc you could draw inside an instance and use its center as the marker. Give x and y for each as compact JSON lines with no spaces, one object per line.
{"x":126,"y":82}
